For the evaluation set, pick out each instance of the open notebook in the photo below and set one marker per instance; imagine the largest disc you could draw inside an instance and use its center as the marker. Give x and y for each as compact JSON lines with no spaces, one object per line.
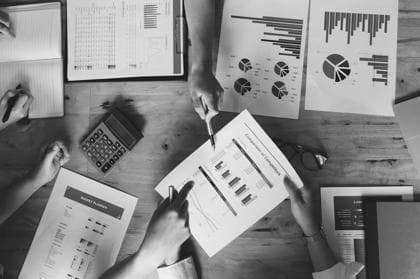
{"x":34,"y":58}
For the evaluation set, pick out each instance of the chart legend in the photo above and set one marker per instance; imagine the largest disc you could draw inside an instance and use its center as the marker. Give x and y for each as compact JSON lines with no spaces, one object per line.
{"x":286,"y":33}
{"x":350,"y":22}
{"x":379,"y":63}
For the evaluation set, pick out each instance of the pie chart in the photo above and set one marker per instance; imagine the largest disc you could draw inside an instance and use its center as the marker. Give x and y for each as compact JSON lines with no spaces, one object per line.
{"x":279,"y":89}
{"x":242,"y":86}
{"x":336,"y":67}
{"x":281,"y":69}
{"x":245,"y":65}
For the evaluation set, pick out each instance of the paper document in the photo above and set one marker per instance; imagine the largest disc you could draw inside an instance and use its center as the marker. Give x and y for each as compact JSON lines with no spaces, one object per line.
{"x":235,"y":185}
{"x":352,"y":56}
{"x":81,"y":230}
{"x":124,"y":38}
{"x":342,"y":217}
{"x":33,"y":59}
{"x":407,"y":114}
{"x":261,"y":53}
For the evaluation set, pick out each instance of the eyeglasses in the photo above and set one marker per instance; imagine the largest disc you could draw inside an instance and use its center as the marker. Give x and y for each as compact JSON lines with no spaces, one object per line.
{"x":312,"y":160}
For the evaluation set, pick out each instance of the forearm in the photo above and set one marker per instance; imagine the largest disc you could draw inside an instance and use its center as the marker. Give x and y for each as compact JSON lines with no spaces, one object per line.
{"x":200,"y":16}
{"x":16,"y":196}
{"x":321,"y":254}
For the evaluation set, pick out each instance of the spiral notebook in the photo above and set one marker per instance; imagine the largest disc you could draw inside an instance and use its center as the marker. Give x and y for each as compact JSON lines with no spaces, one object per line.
{"x":33,"y":59}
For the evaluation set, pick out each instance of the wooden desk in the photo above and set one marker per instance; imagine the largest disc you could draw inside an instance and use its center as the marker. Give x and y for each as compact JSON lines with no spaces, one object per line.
{"x":363,"y":151}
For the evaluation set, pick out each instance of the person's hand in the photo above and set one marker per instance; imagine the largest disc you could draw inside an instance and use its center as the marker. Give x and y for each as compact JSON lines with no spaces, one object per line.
{"x":167,"y":230}
{"x":5,"y":26}
{"x":303,"y":207}
{"x":21,"y":101}
{"x":54,"y":158}
{"x":206,"y":93}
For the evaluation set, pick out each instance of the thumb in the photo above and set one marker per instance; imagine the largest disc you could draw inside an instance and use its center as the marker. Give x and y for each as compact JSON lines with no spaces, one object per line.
{"x":292,"y":189}
{"x":211,"y":100}
{"x":51,"y":152}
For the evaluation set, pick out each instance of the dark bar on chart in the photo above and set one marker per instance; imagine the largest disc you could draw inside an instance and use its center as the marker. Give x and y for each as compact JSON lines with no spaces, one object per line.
{"x":379,"y":63}
{"x":218,"y":191}
{"x":226,"y":174}
{"x":248,"y":199}
{"x":234,"y":182}
{"x":241,"y":190}
{"x":287,"y":28}
{"x":219,"y":165}
{"x":252,"y":163}
{"x":370,"y":23}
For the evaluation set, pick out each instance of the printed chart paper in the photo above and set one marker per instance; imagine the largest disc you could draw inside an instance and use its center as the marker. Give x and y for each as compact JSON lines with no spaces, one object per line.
{"x":352,"y":55}
{"x":130,"y":38}
{"x":261,"y":55}
{"x":81,"y":230}
{"x":342,"y":217}
{"x":235,"y":185}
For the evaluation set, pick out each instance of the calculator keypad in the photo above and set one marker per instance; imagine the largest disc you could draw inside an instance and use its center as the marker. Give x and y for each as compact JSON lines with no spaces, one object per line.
{"x":103,"y":149}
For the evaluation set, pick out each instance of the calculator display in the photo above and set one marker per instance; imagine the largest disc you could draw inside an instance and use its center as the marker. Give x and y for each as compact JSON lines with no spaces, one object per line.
{"x":120,"y":131}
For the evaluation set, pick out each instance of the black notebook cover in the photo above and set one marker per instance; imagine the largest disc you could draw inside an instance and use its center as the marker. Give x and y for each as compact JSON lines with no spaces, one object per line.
{"x":392,"y":240}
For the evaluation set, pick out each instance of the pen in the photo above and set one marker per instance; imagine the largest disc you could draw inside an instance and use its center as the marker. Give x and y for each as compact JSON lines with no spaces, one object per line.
{"x":171,"y":193}
{"x":10,"y":104}
{"x":209,"y":127}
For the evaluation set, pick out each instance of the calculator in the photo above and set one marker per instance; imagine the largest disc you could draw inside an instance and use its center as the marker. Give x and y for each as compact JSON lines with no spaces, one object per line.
{"x":110,"y":142}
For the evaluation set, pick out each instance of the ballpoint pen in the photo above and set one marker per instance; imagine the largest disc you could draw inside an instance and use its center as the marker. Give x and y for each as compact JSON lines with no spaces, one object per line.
{"x":10,"y":104}
{"x":171,"y":193}
{"x":209,"y":127}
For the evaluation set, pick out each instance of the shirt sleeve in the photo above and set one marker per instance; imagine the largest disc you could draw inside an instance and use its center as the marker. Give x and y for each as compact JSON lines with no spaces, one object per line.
{"x":340,"y":271}
{"x":184,"y":269}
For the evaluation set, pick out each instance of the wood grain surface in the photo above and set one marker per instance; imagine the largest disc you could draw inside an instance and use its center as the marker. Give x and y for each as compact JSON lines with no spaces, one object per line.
{"x":363,"y":150}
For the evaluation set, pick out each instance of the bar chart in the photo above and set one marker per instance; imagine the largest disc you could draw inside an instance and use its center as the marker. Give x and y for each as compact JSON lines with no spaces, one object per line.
{"x":379,"y":63}
{"x":350,"y":22}
{"x":286,"y":33}
{"x":151,"y":14}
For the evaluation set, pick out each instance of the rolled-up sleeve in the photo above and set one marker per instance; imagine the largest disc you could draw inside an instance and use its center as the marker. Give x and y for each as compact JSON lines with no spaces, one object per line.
{"x":340,"y":271}
{"x":184,"y":269}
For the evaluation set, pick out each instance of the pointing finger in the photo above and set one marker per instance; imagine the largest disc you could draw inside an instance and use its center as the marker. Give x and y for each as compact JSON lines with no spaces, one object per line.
{"x":182,"y":196}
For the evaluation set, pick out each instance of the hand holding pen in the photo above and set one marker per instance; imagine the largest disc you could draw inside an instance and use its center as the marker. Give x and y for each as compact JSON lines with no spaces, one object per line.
{"x":14,"y":106}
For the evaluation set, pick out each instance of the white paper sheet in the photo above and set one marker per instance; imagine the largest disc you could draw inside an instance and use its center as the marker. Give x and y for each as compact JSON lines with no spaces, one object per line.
{"x":44,"y":78}
{"x":38,"y":33}
{"x":352,"y":55}
{"x":33,"y":58}
{"x":81,"y":230}
{"x":219,"y":210}
{"x":342,"y":217}
{"x":261,"y":53}
{"x":115,"y":38}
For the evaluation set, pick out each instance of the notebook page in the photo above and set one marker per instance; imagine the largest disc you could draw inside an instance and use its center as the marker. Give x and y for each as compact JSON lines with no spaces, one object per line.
{"x":38,"y":33}
{"x":44,"y":78}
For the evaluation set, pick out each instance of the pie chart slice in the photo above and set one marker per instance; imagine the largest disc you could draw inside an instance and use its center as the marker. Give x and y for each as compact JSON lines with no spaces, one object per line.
{"x":279,"y":89}
{"x":242,"y":86}
{"x":245,"y":65}
{"x":281,"y":68}
{"x":336,"y":67}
